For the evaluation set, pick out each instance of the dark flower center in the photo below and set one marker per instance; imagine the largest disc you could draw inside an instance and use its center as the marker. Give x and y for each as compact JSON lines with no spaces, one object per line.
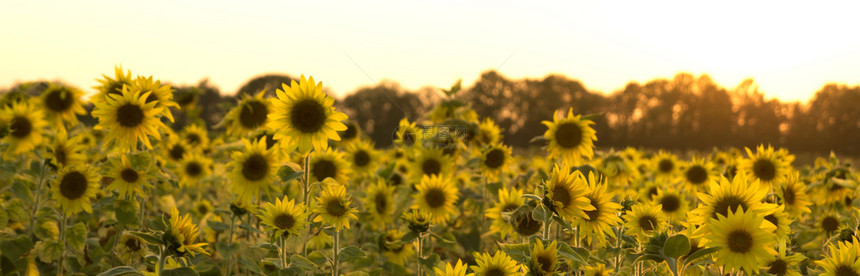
{"x":335,"y":208}
{"x":431,"y":167}
{"x":772,"y":219}
{"x":778,"y":267}
{"x":593,"y":214}
{"x":129,"y":115}
{"x":494,"y":271}
{"x":788,"y":195}
{"x":350,"y":132}
{"x":73,"y":185}
{"x":361,"y":158}
{"x":495,"y":158}
{"x":648,"y":222}
{"x":733,"y":202}
{"x":652,"y":192}
{"x":21,"y":127}
{"x":381,"y":203}
{"x":545,"y":263}
{"x":764,"y":169}
{"x":670,"y":203}
{"x":435,"y":197}
{"x":323,"y":169}
{"x":568,"y":135}
{"x":697,"y":175}
{"x":59,"y":100}
{"x":284,"y":221}
{"x":129,"y":175}
{"x":740,"y":241}
{"x":665,"y":165}
{"x":253,"y":114}
{"x":176,"y":152}
{"x":829,"y":224}
{"x":255,"y":167}
{"x":60,"y":154}
{"x":396,"y":179}
{"x":202,"y":208}
{"x":845,"y":270}
{"x":115,"y":88}
{"x":192,"y":138}
{"x":132,"y":244}
{"x":510,"y":207}
{"x":561,"y":194}
{"x":193,"y":169}
{"x":308,"y":116}
{"x":524,"y":223}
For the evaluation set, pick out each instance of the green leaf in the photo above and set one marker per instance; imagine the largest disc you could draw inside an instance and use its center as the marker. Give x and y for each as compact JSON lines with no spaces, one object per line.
{"x":218,"y":226}
{"x":454,"y":88}
{"x":250,"y":228}
{"x":568,"y":252}
{"x":265,"y":245}
{"x":539,"y":213}
{"x":49,"y":250}
{"x":127,"y":211}
{"x":120,"y":270}
{"x":297,"y":260}
{"x":250,"y":265}
{"x":182,"y":271}
{"x":287,"y":173}
{"x":533,"y":197}
{"x":76,"y":236}
{"x":676,"y":246}
{"x":700,"y":253}
{"x":409,"y":237}
{"x":351,"y":252}
{"x":290,"y":271}
{"x":318,"y":258}
{"x":226,"y":250}
{"x":517,"y":251}
{"x":429,"y":262}
{"x":22,"y":191}
{"x":147,"y":237}
{"x":140,"y":161}
{"x":14,"y":248}
{"x":4,"y":219}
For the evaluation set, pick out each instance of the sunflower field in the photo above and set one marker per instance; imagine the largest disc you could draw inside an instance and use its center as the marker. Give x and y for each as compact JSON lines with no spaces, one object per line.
{"x":288,"y":185}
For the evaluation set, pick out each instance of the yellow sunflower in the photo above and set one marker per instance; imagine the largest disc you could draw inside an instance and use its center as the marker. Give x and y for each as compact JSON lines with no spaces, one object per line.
{"x":729,"y":196}
{"x":195,"y":136}
{"x":74,"y":188}
{"x":111,"y":85}
{"x":744,"y":237}
{"x":131,"y":247}
{"x":499,"y":264}
{"x":617,"y":169}
{"x":781,"y":221}
{"x":127,"y":119}
{"x":509,"y":201}
{"x":598,"y":269}
{"x":26,"y":126}
{"x":249,"y":115}
{"x":666,"y":166}
{"x":494,"y":159}
{"x":174,"y":148}
{"x":829,"y":222}
{"x":380,"y":204}
{"x":544,"y":260}
{"x":181,"y":235}
{"x":793,"y":194}
{"x":457,"y":270}
{"x":161,"y":95}
{"x":673,"y":204}
{"x":598,"y":222}
{"x":488,"y":133}
{"x":253,"y":170}
{"x":362,"y":156}
{"x":566,"y":191}
{"x":329,"y":164}
{"x":571,"y":138}
{"x":304,"y":116}
{"x":843,"y":259}
{"x":698,"y":174}
{"x":437,"y":195}
{"x":127,"y":181}
{"x":284,"y":218}
{"x":417,"y":220}
{"x":408,"y":134}
{"x":62,"y":104}
{"x":768,"y":166}
{"x":334,"y":206}
{"x":394,"y":250}
{"x":782,"y":264}
{"x":429,"y":162}
{"x":64,"y":151}
{"x":193,"y":168}
{"x":644,"y":220}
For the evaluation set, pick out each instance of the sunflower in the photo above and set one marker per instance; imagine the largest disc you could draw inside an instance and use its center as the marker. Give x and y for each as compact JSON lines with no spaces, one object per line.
{"x":127,"y":181}
{"x":417,"y":220}
{"x":75,"y":187}
{"x":394,"y":250}
{"x":128,"y":119}
{"x":61,"y":105}
{"x":131,"y":247}
{"x":362,"y":156}
{"x":666,"y":166}
{"x":334,"y":205}
{"x":499,"y":264}
{"x":781,"y":221}
{"x":488,"y":133}
{"x":570,"y":138}
{"x":782,"y":264}
{"x":250,"y":114}
{"x":253,"y":169}
{"x":329,"y":164}
{"x":25,"y":123}
{"x":437,"y":195}
{"x":408,"y":134}
{"x":494,"y":158}
{"x":544,"y":260}
{"x":843,"y":259}
{"x":766,"y":165}
{"x":509,"y":201}
{"x":162,"y":95}
{"x":283,"y":218}
{"x":65,"y":151}
{"x":380,"y":203}
{"x":457,"y":270}
{"x":193,"y":168}
{"x":195,"y":136}
{"x":350,"y":134}
{"x":729,"y":196}
{"x":617,"y":169}
{"x":673,"y":204}
{"x":644,"y":220}
{"x":429,"y":162}
{"x":303,"y":115}
{"x":744,"y":237}
{"x":174,"y":148}
{"x":698,"y":174}
{"x":565,"y":194}
{"x":793,"y":194}
{"x":598,"y":222}
{"x":111,"y":85}
{"x":598,"y":269}
{"x":181,"y":235}
{"x":829,"y":222}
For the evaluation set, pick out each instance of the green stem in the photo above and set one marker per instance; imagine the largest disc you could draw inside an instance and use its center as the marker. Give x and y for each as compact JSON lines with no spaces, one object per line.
{"x":39,"y":186}
{"x":63,"y":242}
{"x":336,"y":255}
{"x":483,"y":218}
{"x":228,"y":268}
{"x":420,"y":252}
{"x":305,"y":194}
{"x":162,"y":256}
{"x":283,"y":245}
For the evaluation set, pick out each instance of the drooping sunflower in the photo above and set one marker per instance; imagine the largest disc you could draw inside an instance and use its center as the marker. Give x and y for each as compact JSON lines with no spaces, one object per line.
{"x":128,"y":119}
{"x":131,"y":247}
{"x":252,"y":169}
{"x":673,"y":204}
{"x":544,"y":260}
{"x":408,"y":134}
{"x":394,"y":250}
{"x":74,"y":188}
{"x":362,"y":156}
{"x":745,"y":239}
{"x":193,"y":168}
{"x":250,"y":114}
{"x":768,"y":166}
{"x":304,"y":116}
{"x":571,"y":138}
{"x":284,"y":218}
{"x":457,"y":270}
{"x":523,"y":222}
{"x":26,"y":126}
{"x":329,"y":164}
{"x":417,"y":220}
{"x":111,"y":85}
{"x":429,"y":162}
{"x":380,"y":204}
{"x":437,"y":195}
{"x":195,"y":136}
{"x":61,"y":105}
{"x":597,"y":224}
{"x":499,"y":264}
{"x":565,"y":194}
{"x":494,"y":159}
{"x":161,"y":95}
{"x":334,"y":205}
{"x":509,"y":201}
{"x":64,"y":151}
{"x":666,"y":166}
{"x":793,"y":194}
{"x":181,"y":235}
{"x":698,"y":174}
{"x":127,"y":181}
{"x":843,"y":259}
{"x":598,"y":269}
{"x":644,"y":220}
{"x":782,"y":264}
{"x":729,"y":196}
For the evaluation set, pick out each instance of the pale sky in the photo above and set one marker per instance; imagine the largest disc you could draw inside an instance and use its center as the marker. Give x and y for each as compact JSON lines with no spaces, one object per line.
{"x":791,"y":50}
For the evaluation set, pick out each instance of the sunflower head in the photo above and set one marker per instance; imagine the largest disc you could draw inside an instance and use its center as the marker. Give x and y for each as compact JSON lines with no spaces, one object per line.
{"x":112,"y":85}
{"x":333,"y":205}
{"x":509,"y":202}
{"x":181,"y":236}
{"x":128,"y":180}
{"x":457,"y":270}
{"x":193,"y":168}
{"x":417,"y":220}
{"x":380,"y":203}
{"x":62,"y":104}
{"x":25,"y":124}
{"x":544,"y":259}
{"x":408,"y":134}
{"x":745,"y":239}
{"x":644,"y":220}
{"x":766,"y":165}
{"x":253,"y":169}
{"x":362,"y":157}
{"x":74,"y":188}
{"x":571,"y":138}
{"x":65,"y":151}
{"x":499,"y":264}
{"x":565,"y":193}
{"x":329,"y":164}
{"x":283,"y":218}
{"x":250,"y":114}
{"x":843,"y":259}
{"x":304,"y":115}
{"x":494,"y":159}
{"x":161,"y":95}
{"x":437,"y":195}
{"x":129,"y":119}
{"x":394,"y":249}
